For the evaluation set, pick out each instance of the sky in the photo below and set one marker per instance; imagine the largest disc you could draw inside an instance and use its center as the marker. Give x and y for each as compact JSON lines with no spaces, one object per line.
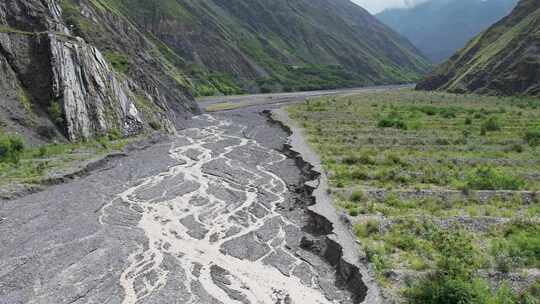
{"x":375,"y":6}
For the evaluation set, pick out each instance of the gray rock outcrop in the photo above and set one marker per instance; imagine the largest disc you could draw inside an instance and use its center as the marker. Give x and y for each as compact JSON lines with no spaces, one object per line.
{"x":55,"y":83}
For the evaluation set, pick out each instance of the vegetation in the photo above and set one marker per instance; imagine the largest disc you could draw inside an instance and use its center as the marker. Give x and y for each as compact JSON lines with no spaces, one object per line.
{"x":406,"y":167}
{"x":120,"y":62}
{"x":21,"y":164}
{"x":212,"y":84}
{"x":280,"y":59}
{"x":55,"y":112}
{"x":11,"y":148}
{"x":488,"y":178}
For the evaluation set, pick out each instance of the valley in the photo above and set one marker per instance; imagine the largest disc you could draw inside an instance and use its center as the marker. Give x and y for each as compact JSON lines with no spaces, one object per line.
{"x":269,"y":152}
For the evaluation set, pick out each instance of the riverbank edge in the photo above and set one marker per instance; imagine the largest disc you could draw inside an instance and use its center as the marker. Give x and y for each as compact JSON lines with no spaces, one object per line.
{"x":324,"y":206}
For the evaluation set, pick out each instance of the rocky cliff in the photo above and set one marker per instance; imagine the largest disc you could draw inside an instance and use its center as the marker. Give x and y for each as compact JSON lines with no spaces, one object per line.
{"x":57,"y":81}
{"x":503,"y":60}
{"x":260,"y":45}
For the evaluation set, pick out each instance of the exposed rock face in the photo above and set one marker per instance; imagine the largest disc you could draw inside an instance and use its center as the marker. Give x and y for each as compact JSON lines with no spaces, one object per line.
{"x":503,"y":60}
{"x":57,"y":83}
{"x":88,"y":88}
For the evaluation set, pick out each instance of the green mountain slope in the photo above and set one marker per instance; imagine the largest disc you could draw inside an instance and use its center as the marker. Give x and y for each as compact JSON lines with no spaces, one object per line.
{"x":257,"y":45}
{"x":440,"y":27}
{"x":503,"y":60}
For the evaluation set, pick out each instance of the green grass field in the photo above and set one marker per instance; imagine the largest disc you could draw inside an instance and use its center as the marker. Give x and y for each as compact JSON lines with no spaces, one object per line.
{"x":33,"y":165}
{"x":412,"y":168}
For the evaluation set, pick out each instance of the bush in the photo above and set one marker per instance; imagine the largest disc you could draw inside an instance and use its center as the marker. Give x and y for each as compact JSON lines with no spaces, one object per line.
{"x":488,"y":178}
{"x":364,"y":230}
{"x":393,"y":120}
{"x":120,"y":62}
{"x":452,"y":282}
{"x":447,"y":290}
{"x":363,"y":159}
{"x":516,"y":148}
{"x":357,"y":196}
{"x":11,"y":149}
{"x":520,"y":245}
{"x":55,"y":112}
{"x":533,"y":137}
{"x":114,"y":134}
{"x":492,"y":124}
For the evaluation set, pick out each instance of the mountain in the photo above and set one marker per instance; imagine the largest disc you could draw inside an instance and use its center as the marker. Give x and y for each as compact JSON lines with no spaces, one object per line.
{"x":78,"y":69}
{"x":55,"y":84}
{"x":260,"y":45}
{"x":503,"y":60}
{"x":441,"y":27}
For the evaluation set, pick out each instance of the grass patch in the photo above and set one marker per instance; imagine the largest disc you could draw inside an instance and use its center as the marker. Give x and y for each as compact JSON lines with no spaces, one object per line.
{"x":31,"y":165}
{"x":488,"y":178}
{"x":224,"y":106}
{"x":11,"y":149}
{"x":409,"y":153}
{"x":120,"y":62}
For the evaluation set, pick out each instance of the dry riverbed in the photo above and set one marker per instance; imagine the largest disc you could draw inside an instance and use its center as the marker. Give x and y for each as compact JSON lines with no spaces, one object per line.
{"x":220,"y":213}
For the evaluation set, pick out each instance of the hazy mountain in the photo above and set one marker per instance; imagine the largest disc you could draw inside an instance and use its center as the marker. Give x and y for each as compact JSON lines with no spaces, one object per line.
{"x":505,"y":59}
{"x":440,"y":27}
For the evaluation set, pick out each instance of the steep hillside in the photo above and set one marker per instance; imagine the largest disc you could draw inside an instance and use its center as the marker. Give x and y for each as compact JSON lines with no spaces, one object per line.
{"x":55,"y":84}
{"x":440,"y":27}
{"x":503,"y":60}
{"x":253,"y":45}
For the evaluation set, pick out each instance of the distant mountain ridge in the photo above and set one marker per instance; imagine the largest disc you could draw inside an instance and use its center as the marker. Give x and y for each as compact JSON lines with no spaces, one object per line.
{"x":260,"y":45}
{"x":503,"y":60}
{"x":438,"y":28}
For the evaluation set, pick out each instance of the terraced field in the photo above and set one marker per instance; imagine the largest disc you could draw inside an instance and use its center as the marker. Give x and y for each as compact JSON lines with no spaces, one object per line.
{"x":441,"y":189}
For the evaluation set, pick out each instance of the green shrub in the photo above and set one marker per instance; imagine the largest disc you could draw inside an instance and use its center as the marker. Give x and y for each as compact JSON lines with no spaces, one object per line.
{"x":458,"y":258}
{"x":114,"y":134}
{"x":520,"y":245}
{"x":516,"y":148}
{"x":359,"y":174}
{"x":392,"y":120}
{"x":55,"y":112}
{"x":533,"y":137}
{"x":491,"y":124}
{"x":120,"y":62}
{"x":447,"y":290}
{"x":11,"y":148}
{"x":366,"y":229}
{"x":452,"y":282}
{"x":488,"y":178}
{"x":357,"y":196}
{"x":448,"y":112}
{"x":42,"y":151}
{"x":364,"y":159}
{"x":376,"y":255}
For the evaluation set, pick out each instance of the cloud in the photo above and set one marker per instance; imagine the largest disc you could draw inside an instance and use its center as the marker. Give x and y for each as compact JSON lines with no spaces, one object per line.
{"x":376,"y":6}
